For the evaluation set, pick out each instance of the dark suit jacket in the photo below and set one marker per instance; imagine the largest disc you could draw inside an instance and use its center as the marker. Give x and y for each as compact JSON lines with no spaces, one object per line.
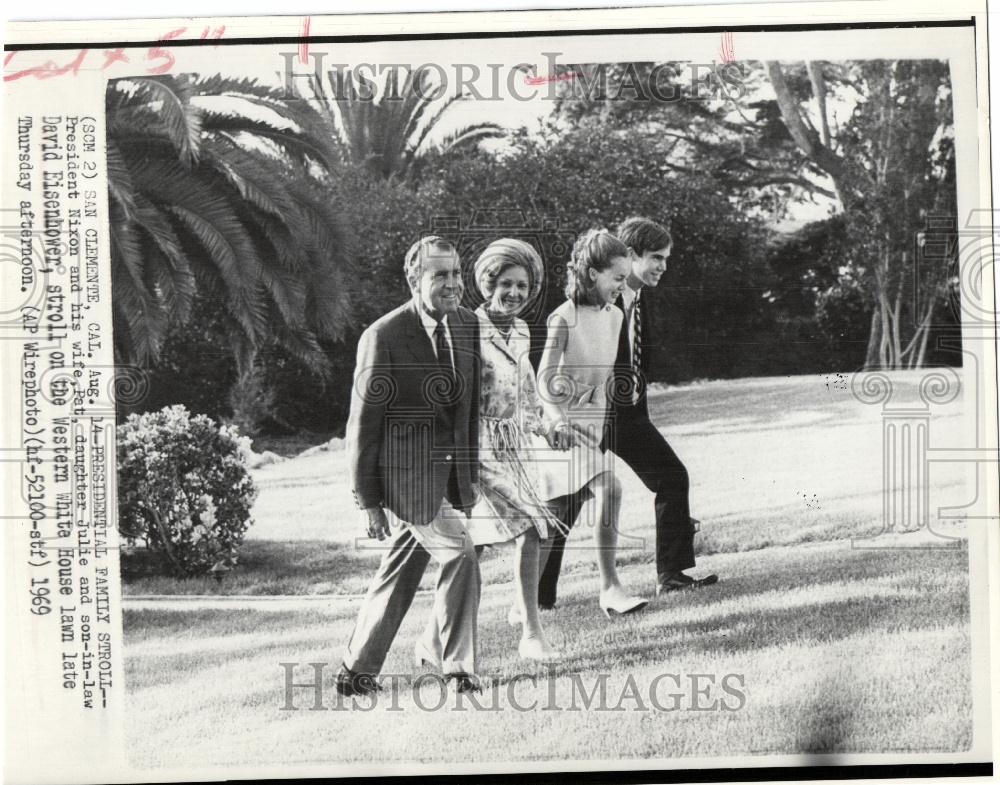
{"x":620,"y":404}
{"x":405,"y":434}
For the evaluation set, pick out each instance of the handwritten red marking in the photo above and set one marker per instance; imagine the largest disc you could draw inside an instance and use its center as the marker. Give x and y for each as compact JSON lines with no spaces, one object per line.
{"x":114,"y":56}
{"x":217,"y":33}
{"x":48,"y":69}
{"x":304,"y":46}
{"x":726,"y":52}
{"x":155,"y":52}
{"x":551,"y":78}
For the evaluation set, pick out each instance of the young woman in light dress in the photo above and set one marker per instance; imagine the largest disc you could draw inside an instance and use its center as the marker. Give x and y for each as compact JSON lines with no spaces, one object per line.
{"x":574,"y":378}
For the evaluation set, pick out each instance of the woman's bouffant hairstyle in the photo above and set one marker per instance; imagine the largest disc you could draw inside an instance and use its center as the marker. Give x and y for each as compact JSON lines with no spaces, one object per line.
{"x":593,"y":250}
{"x":502,"y":254}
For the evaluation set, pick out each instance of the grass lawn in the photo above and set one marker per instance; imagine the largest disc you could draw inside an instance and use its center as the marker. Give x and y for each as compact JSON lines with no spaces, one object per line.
{"x":836,"y":650}
{"x":774,"y":461}
{"x":833,"y":647}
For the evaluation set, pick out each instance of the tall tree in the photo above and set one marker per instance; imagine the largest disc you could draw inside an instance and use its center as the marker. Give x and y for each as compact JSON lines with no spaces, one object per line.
{"x":713,"y":121}
{"x":389,"y":130}
{"x":892,"y":165}
{"x":209,"y":198}
{"x":875,"y":137}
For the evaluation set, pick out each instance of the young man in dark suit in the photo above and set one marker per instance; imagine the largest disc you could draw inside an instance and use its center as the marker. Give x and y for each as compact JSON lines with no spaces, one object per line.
{"x":412,"y":442}
{"x":631,"y":435}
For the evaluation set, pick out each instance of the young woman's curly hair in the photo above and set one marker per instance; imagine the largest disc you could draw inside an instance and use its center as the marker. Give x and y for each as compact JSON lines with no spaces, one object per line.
{"x":593,"y":250}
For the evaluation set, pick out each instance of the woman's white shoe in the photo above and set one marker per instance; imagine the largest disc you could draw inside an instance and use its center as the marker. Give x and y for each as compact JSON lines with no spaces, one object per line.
{"x":617,"y":601}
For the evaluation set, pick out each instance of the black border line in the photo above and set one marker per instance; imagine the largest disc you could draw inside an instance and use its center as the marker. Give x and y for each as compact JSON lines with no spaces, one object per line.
{"x":644,"y":776}
{"x":609,"y":777}
{"x":480,"y":35}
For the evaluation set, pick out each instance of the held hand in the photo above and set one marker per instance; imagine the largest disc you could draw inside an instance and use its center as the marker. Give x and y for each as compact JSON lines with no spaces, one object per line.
{"x":376,"y":522}
{"x":557,"y":439}
{"x":477,"y":495}
{"x":560,"y":437}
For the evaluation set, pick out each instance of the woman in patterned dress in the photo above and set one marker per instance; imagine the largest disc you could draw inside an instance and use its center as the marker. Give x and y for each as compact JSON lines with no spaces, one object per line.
{"x":574,"y":376}
{"x":509,"y":275}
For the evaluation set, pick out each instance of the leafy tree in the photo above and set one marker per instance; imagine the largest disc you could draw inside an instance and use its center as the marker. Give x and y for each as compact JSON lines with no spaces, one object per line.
{"x":712,"y":318}
{"x":889,"y":166}
{"x":551,"y":187}
{"x":893,"y":168}
{"x":714,"y":122}
{"x":209,"y":199}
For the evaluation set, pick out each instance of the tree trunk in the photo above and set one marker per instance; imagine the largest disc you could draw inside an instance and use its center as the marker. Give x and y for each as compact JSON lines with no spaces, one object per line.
{"x":883,"y":345}
{"x":855,"y":188}
{"x":921,"y":358}
{"x":163,"y":537}
{"x":897,"y":348}
{"x":823,"y":156}
{"x":871,"y":354}
{"x":819,"y":91}
{"x":917,"y":347}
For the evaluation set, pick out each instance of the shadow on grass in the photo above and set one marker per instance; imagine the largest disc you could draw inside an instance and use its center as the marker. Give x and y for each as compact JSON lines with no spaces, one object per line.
{"x":782,"y":604}
{"x":916,"y":590}
{"x":266,"y":568}
{"x":928,"y":589}
{"x":296,"y":643}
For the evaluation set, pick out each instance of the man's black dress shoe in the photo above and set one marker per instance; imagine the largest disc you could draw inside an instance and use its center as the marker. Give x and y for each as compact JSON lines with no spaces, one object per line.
{"x":463,"y":682}
{"x":679,"y":580}
{"x":349,"y":683}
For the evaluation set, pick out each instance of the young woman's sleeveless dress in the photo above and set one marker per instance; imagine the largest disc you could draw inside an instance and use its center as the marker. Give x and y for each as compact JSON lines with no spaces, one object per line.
{"x":581,"y":385}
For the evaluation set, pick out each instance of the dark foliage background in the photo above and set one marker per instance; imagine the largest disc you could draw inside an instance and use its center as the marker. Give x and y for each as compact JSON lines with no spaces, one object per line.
{"x":738,"y":299}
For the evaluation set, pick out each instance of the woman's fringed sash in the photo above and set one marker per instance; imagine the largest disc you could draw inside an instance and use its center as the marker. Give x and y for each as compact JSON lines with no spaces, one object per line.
{"x":506,"y":439}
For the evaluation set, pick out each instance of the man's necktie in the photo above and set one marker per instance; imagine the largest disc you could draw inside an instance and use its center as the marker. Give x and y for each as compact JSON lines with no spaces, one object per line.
{"x":443,"y":351}
{"x":637,"y":346}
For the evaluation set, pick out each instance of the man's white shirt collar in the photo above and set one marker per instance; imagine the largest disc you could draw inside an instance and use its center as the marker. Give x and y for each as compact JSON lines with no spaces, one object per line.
{"x":430,"y":325}
{"x":429,"y":321}
{"x":628,"y":296}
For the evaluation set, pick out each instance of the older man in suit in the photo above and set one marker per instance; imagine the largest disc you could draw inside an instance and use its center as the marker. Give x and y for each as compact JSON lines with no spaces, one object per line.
{"x":412,"y":440}
{"x":631,"y":434}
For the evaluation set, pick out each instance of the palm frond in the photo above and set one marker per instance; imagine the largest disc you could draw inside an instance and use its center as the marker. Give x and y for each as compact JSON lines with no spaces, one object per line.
{"x":470,"y":134}
{"x":144,"y":321}
{"x":226,"y":207}
{"x":120,"y":185}
{"x":259,"y":182}
{"x":177,"y":116}
{"x":417,"y":134}
{"x":243,"y":300}
{"x":164,"y":253}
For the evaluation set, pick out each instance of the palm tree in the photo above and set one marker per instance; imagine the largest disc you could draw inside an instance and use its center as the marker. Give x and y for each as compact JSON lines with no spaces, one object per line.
{"x":391,"y":135}
{"x":207,"y":198}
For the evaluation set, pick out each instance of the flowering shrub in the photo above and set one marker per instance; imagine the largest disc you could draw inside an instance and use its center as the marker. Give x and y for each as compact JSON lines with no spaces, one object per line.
{"x":183,"y":488}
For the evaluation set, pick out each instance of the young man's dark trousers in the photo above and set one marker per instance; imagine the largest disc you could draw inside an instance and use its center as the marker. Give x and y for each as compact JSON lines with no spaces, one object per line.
{"x":634,"y":439}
